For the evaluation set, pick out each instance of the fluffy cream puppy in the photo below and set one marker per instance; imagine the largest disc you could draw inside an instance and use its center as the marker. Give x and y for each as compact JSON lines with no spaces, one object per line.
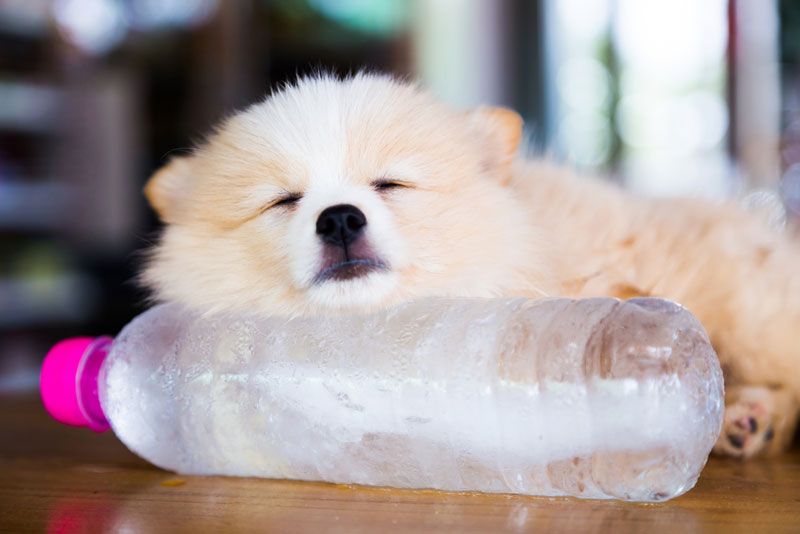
{"x":335,"y":195}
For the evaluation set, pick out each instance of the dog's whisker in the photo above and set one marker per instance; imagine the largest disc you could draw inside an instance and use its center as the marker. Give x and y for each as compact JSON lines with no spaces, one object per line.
{"x":539,"y":290}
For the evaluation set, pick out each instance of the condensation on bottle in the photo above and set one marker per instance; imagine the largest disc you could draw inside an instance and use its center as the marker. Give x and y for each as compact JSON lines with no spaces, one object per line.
{"x":595,"y":398}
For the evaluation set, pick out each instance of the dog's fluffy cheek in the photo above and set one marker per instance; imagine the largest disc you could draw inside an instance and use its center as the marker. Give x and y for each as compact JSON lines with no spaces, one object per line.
{"x":470,"y":241}
{"x":430,"y":223}
{"x":216,"y":271}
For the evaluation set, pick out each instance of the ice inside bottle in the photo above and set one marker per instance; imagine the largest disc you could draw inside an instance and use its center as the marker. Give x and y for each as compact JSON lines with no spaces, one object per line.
{"x":593,"y":398}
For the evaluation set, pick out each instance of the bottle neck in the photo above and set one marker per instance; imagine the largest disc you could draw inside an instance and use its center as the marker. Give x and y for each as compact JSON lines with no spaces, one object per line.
{"x":87,"y":383}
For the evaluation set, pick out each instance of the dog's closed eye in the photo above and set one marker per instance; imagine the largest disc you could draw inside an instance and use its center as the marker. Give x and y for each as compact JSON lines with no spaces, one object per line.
{"x":287,"y":200}
{"x":386,"y":185}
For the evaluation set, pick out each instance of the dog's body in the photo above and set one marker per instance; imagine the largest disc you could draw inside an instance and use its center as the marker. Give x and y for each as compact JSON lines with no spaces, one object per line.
{"x":352,"y":195}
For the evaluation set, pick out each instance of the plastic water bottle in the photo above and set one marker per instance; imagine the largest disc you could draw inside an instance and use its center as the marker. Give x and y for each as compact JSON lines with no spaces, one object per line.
{"x":593,"y":398}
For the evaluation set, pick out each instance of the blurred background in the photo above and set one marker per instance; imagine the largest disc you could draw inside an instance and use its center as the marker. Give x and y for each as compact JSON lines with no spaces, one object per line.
{"x":665,"y":96}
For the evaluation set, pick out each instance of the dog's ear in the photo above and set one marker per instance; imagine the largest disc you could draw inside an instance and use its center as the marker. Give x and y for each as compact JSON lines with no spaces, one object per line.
{"x":167,"y":186}
{"x":504,"y":128}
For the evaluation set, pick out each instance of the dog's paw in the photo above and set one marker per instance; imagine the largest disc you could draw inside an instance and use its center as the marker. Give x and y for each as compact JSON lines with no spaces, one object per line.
{"x":748,"y":427}
{"x":758,"y":419}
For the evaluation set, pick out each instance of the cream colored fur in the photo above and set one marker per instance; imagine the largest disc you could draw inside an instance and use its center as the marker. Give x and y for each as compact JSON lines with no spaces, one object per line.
{"x":473,"y":219}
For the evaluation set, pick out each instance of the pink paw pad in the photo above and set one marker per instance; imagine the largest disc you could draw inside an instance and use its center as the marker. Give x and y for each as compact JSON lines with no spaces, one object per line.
{"x":746,"y":430}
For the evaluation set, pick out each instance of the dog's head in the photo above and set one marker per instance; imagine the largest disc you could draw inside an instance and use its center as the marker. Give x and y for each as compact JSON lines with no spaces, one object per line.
{"x":342,"y":194}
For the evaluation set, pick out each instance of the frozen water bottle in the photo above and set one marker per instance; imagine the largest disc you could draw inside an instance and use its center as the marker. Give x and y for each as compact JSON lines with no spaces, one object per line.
{"x":593,"y":398}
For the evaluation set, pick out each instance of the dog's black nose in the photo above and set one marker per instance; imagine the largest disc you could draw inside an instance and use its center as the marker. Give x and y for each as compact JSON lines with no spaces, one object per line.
{"x":341,"y":225}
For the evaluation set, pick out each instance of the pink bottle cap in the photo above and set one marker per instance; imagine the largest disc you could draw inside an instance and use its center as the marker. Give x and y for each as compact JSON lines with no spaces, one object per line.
{"x":68,"y":381}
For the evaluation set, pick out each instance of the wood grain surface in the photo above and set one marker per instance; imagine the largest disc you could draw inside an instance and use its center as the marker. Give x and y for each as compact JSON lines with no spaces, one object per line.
{"x":63,"y":480}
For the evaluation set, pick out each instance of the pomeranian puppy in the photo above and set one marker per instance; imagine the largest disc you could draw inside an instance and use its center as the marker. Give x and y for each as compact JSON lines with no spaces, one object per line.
{"x":339,"y":195}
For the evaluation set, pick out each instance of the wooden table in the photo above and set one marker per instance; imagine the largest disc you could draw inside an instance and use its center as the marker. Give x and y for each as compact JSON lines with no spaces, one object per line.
{"x":63,"y":480}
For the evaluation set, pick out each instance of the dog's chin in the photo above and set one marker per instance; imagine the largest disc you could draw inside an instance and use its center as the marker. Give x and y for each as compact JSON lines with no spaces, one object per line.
{"x":353,"y":286}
